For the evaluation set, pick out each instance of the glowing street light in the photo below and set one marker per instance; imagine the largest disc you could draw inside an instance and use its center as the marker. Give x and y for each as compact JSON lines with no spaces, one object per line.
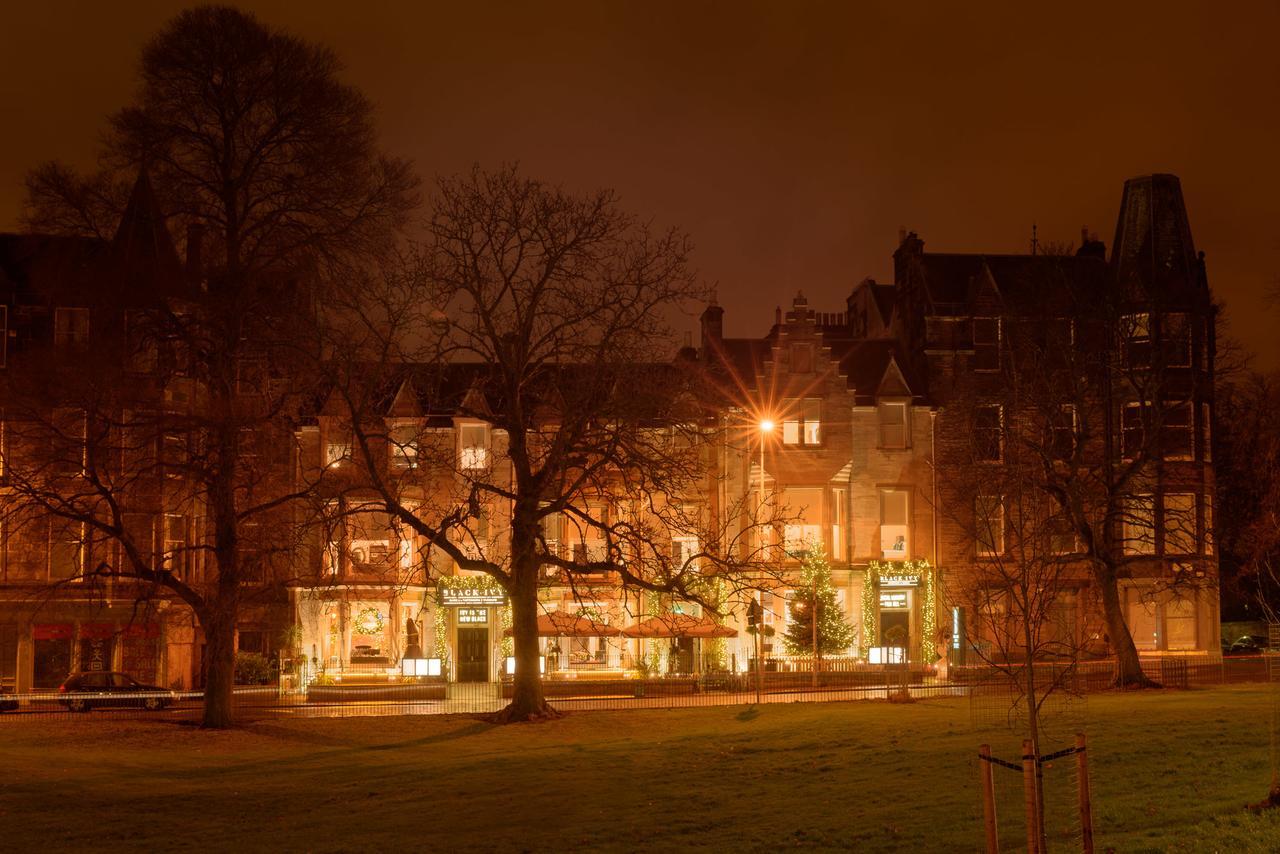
{"x":766,"y":426}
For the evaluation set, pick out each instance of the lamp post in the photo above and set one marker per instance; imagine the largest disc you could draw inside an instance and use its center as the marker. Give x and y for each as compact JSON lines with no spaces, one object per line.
{"x":766,"y":427}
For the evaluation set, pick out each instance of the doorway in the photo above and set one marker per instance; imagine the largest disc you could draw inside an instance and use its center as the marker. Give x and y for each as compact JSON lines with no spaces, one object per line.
{"x":473,"y":654}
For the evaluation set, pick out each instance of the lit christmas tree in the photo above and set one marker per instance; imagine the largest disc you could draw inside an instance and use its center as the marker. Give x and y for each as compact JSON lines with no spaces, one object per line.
{"x":834,"y":634}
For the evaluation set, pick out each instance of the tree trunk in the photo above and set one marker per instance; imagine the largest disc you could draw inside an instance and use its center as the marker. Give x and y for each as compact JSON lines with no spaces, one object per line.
{"x":1128,"y":665}
{"x":219,"y":623}
{"x":527,"y":700}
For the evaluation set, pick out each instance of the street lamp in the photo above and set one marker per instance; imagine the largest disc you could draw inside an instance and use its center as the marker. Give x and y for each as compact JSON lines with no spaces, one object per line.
{"x":766,"y":427}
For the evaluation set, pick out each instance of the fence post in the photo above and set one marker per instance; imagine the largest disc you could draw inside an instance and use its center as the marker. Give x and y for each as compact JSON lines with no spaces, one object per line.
{"x":1029,"y":796}
{"x":988,"y":800}
{"x":1082,"y":785}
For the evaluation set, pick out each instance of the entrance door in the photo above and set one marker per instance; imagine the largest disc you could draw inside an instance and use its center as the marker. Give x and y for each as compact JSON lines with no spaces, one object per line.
{"x":895,"y":632}
{"x":473,"y":655}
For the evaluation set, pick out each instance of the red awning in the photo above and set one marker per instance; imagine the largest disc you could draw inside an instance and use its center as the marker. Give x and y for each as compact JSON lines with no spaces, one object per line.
{"x":559,"y":624}
{"x":679,"y":626}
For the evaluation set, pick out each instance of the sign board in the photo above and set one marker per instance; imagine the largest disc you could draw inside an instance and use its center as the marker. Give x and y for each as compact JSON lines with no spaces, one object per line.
{"x":473,"y":615}
{"x":900,"y":581}
{"x":453,"y":597}
{"x":893,"y":601}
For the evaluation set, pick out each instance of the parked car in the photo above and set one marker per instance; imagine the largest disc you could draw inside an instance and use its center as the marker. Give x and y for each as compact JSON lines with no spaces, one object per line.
{"x":1248,"y":645}
{"x":102,"y":689}
{"x":7,"y":704}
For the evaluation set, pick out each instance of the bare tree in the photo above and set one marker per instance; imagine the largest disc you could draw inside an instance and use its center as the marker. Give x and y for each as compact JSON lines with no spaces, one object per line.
{"x":1248,"y":464}
{"x":251,"y":136}
{"x":541,"y":319}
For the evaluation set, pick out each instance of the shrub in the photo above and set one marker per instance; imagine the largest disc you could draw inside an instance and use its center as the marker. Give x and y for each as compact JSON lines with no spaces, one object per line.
{"x":252,"y":669}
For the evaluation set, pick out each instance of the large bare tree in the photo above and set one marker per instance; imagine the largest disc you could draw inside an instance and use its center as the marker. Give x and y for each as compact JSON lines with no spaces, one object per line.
{"x":248,"y":134}
{"x":545,"y":316}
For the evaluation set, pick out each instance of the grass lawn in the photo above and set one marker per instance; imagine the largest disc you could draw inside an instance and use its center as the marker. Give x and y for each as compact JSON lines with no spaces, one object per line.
{"x":1171,"y":772}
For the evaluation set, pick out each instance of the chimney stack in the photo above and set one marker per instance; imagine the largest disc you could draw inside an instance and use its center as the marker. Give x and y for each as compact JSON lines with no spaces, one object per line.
{"x":712,"y":322}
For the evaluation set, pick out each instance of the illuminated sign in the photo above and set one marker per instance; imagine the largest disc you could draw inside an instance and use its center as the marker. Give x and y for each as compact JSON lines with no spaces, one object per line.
{"x":891,"y":601}
{"x":900,"y":581}
{"x":451,"y":597}
{"x":473,"y":615}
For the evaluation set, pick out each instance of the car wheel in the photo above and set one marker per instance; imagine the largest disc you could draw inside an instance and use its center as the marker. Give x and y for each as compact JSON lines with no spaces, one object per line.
{"x":153,"y":704}
{"x":77,"y":705}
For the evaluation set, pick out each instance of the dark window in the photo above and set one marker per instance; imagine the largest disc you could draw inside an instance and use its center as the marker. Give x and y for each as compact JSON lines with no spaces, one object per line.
{"x":986,"y":343}
{"x":1175,"y":333}
{"x":1135,"y":330}
{"x":1133,"y":431}
{"x":987,"y":438}
{"x":1062,"y":434}
{"x":1178,"y":433}
{"x":253,"y":641}
{"x":70,"y":327}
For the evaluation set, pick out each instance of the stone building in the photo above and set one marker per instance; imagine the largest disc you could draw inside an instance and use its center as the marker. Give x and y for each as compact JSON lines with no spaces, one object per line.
{"x":891,"y":420}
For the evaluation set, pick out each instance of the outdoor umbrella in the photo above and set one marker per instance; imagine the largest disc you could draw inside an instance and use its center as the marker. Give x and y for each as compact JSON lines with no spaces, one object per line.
{"x":561,"y":624}
{"x":679,"y":626}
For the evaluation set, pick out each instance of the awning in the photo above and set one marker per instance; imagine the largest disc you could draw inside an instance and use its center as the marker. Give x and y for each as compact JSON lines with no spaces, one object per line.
{"x":559,"y":624}
{"x":679,"y":626}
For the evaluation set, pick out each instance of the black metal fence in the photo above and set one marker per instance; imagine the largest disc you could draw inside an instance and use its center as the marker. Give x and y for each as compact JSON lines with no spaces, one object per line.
{"x":774,"y":680}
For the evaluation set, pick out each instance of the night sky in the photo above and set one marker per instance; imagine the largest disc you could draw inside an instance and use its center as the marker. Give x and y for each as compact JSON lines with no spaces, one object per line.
{"x":791,"y":139}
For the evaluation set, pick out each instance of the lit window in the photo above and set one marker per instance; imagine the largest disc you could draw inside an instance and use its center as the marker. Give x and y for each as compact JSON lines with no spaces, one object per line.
{"x":839,"y":519}
{"x":174,"y":554}
{"x":474,"y":440}
{"x":66,"y":550}
{"x":986,"y":343}
{"x":1139,"y":525}
{"x":803,"y":426}
{"x":988,"y":518}
{"x":893,"y":425}
{"x":70,"y":327}
{"x":895,"y":530}
{"x":404,"y":446}
{"x":1180,"y":523}
{"x":336,"y":452}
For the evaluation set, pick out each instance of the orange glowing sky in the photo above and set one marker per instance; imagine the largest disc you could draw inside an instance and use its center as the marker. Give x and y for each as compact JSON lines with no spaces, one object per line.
{"x":791,"y":139}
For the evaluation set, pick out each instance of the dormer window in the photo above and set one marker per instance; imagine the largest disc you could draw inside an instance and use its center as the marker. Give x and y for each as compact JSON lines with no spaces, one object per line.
{"x":70,"y":327}
{"x":337,"y":449}
{"x":404,"y":446}
{"x":893,"y":425}
{"x":473,"y":442}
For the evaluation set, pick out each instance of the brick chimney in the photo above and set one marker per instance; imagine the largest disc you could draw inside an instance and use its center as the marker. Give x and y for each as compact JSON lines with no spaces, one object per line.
{"x":712,"y":326}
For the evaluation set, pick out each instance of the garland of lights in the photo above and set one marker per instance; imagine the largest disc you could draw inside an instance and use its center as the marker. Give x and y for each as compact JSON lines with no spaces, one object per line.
{"x":870,"y":613}
{"x":368,"y":622}
{"x":504,"y":617}
{"x":877,"y":573}
{"x":442,"y":639}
